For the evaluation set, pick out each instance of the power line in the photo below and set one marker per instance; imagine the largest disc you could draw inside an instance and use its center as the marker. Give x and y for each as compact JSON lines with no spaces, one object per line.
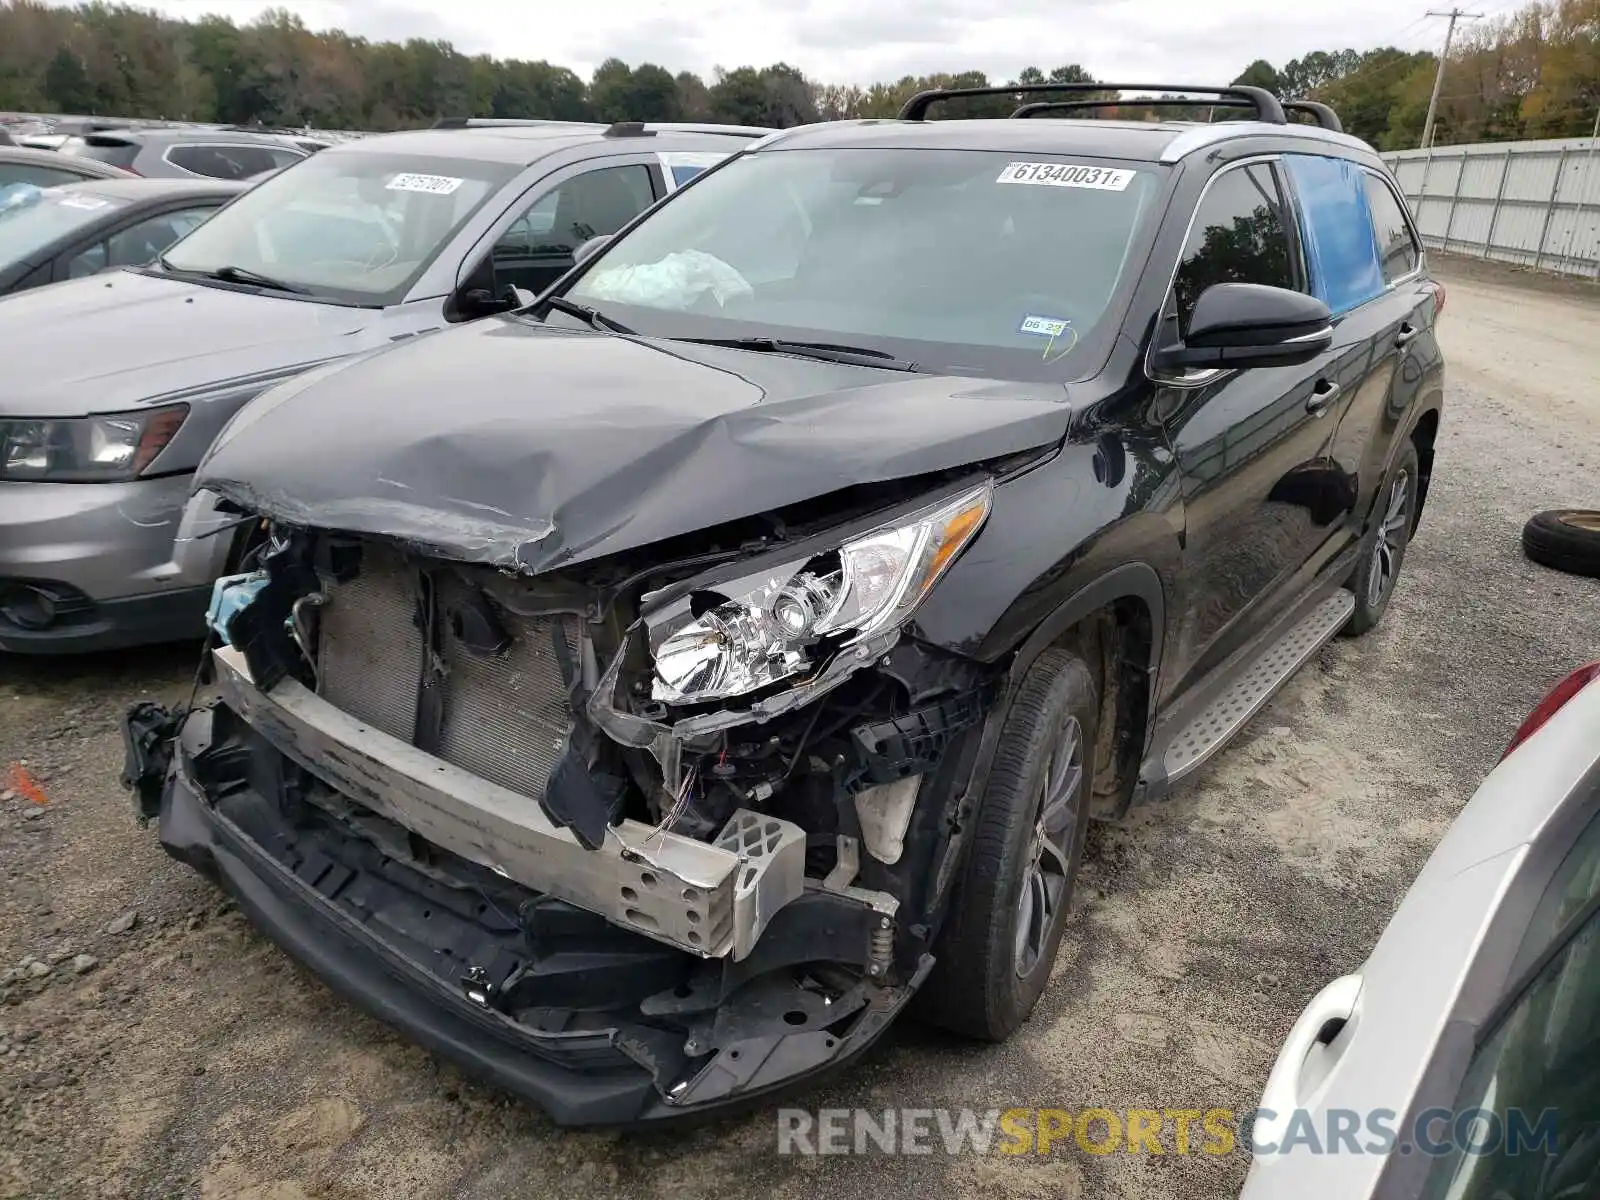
{"x":1455,"y":14}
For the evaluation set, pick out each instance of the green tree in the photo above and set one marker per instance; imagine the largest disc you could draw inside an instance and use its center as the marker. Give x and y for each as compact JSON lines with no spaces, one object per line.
{"x":66,"y":83}
{"x":1262,"y":74}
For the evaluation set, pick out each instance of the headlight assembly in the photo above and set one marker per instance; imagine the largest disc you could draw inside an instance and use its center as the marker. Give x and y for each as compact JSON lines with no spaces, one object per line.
{"x":758,"y":630}
{"x":102,"y":449}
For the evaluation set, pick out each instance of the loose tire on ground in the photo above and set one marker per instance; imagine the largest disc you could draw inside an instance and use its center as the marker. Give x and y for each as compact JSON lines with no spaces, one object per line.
{"x":1566,"y":539}
{"x":986,"y":979}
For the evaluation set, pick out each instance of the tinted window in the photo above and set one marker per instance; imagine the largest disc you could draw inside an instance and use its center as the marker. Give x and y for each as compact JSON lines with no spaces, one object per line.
{"x":1240,"y":235}
{"x":119,"y":152}
{"x":1544,"y":1054}
{"x":353,"y":226}
{"x":971,"y":261}
{"x":538,"y":247}
{"x":89,"y":260}
{"x":142,"y":242}
{"x":1339,"y":238}
{"x":36,"y":175}
{"x":1398,"y":253}
{"x":222,"y":162}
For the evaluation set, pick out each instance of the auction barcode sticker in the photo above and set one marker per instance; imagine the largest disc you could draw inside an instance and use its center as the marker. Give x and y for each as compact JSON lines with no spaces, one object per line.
{"x":438,"y":185}
{"x":1108,"y":179}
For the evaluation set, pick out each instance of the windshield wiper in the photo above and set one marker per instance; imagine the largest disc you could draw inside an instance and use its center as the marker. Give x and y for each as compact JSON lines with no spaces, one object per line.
{"x":825,"y":351}
{"x":595,"y":318}
{"x":256,"y":279}
{"x":231,"y":274}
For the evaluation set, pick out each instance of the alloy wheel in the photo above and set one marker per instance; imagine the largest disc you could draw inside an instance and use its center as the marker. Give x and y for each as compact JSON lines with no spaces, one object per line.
{"x":1049,"y":856}
{"x":1391,"y":540}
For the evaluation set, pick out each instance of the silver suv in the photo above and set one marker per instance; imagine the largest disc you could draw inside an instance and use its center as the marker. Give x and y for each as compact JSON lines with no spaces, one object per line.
{"x":130,"y":376}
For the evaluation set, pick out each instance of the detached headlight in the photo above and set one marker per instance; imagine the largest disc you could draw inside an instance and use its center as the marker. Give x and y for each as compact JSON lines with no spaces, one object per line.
{"x":758,"y":630}
{"x":102,"y":449}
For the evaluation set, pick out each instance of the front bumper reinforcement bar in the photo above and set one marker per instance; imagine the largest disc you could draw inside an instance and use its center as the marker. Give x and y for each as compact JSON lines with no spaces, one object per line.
{"x":710,"y":899}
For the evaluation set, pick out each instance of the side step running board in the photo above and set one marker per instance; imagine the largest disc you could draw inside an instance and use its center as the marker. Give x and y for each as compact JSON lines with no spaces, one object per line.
{"x":1211,"y":728}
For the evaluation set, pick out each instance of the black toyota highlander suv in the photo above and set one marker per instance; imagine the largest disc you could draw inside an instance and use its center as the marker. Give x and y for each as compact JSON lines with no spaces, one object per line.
{"x":638,"y":697}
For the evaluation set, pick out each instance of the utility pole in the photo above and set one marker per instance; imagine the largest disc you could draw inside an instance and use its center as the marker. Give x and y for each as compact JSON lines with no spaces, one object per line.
{"x":1455,"y":14}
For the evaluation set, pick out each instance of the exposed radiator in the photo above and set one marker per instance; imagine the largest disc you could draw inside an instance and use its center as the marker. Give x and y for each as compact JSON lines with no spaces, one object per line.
{"x":505,"y":715}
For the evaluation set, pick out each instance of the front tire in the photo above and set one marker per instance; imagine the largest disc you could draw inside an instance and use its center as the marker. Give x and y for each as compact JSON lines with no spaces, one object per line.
{"x":1006,"y":918}
{"x":1385,"y":548}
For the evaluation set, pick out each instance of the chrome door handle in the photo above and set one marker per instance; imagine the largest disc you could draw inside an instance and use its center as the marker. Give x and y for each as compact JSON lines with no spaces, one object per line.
{"x":1324,"y":394}
{"x":1407,"y":332}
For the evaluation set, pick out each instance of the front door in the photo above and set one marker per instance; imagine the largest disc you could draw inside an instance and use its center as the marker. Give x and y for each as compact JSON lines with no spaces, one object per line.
{"x":1252,"y":445}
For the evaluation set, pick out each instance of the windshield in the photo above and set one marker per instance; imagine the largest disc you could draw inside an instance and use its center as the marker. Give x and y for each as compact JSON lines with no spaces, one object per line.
{"x":350,"y":228}
{"x":32,"y":218}
{"x":960,"y":261}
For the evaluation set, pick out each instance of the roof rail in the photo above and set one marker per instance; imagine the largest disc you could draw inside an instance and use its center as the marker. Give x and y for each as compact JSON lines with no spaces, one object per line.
{"x":644,"y":128}
{"x":1320,"y":113}
{"x":1266,"y":105}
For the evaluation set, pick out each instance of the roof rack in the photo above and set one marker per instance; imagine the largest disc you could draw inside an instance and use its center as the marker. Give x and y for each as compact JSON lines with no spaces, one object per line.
{"x":1266,"y":105}
{"x":1320,"y":113}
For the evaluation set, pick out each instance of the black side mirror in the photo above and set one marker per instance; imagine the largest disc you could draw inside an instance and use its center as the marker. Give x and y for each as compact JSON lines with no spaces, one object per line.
{"x":587,"y":249}
{"x":480,"y":302}
{"x":1237,"y":325}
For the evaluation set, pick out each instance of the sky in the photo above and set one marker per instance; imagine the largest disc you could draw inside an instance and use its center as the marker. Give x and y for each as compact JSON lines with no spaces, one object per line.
{"x":863,"y":41}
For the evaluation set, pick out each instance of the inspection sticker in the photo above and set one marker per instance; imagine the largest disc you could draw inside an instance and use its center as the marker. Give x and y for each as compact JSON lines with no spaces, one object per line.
{"x":1106,"y":179}
{"x":81,"y":201}
{"x":438,"y":185}
{"x":1050,"y":327}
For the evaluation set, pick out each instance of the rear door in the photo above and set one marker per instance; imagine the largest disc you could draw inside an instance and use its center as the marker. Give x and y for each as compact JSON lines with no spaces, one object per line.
{"x":1365,"y":264}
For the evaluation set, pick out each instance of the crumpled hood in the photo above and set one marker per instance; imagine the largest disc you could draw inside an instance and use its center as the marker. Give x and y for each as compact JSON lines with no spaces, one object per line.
{"x":527,"y":448}
{"x":116,"y":341}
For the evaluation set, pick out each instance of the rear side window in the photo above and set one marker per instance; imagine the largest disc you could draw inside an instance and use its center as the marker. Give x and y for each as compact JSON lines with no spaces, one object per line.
{"x":224,"y":162}
{"x":1398,"y":252}
{"x":1240,"y":235}
{"x":106,"y":148}
{"x":1340,"y":243}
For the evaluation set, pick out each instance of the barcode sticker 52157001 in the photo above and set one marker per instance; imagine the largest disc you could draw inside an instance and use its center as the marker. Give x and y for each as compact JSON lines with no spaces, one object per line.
{"x":438,"y":185}
{"x":1106,"y":179}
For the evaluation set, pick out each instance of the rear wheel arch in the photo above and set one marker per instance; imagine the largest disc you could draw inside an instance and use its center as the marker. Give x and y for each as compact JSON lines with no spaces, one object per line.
{"x":1423,"y":436}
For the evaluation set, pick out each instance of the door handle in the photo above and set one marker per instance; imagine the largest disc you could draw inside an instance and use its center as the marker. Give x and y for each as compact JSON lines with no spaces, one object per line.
{"x":1318,"y":1024}
{"x":1324,"y":394}
{"x":1407,"y":332}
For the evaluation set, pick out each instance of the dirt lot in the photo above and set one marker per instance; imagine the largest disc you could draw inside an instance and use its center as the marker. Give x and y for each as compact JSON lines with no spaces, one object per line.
{"x":192,"y":1058}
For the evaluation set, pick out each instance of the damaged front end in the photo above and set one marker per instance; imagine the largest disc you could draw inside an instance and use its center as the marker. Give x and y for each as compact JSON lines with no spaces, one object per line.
{"x":650,"y":836}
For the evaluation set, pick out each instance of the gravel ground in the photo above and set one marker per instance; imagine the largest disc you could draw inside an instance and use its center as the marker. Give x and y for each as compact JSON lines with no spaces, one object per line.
{"x":185,"y":1055}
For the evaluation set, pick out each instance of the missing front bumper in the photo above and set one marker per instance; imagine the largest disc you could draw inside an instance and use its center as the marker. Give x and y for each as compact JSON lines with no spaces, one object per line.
{"x":711,"y":900}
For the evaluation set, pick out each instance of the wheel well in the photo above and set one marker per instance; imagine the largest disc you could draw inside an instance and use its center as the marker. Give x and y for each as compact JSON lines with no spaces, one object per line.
{"x":1423,"y":436}
{"x":1116,"y":642}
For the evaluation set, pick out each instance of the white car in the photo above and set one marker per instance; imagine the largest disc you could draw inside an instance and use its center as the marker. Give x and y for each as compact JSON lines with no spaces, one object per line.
{"x":1462,"y":1061}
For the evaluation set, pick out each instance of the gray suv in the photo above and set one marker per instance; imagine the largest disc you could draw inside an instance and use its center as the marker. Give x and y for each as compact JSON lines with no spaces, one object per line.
{"x":183,"y":153}
{"x":130,"y":376}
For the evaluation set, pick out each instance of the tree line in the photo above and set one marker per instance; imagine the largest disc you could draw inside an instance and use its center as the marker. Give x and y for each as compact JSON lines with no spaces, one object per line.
{"x":1532,"y":73}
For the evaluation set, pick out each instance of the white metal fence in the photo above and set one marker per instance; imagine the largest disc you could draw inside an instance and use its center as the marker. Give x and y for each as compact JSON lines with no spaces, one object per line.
{"x":1536,"y":204}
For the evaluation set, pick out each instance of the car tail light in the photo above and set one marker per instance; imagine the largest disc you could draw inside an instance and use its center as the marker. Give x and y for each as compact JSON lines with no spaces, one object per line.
{"x":1438,"y":299}
{"x":1551,"y":704}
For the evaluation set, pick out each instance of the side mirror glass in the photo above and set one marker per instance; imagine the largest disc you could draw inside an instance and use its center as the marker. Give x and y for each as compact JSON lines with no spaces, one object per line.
{"x":588,"y":249}
{"x":1236,"y":325}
